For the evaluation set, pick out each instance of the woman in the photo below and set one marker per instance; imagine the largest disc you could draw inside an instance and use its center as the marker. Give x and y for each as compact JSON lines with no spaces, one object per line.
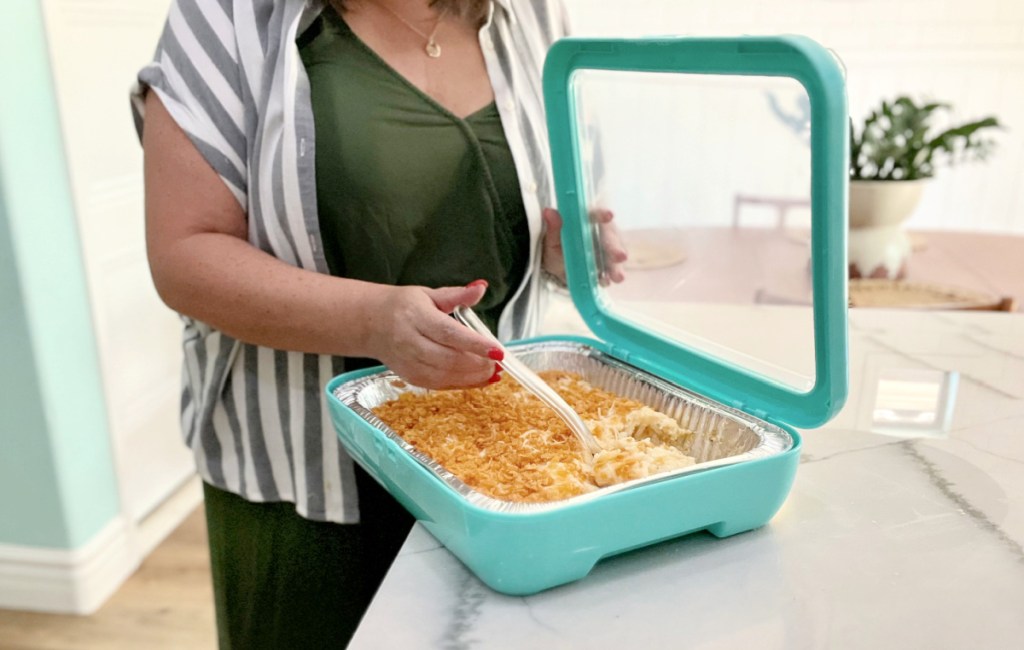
{"x":325,"y":182}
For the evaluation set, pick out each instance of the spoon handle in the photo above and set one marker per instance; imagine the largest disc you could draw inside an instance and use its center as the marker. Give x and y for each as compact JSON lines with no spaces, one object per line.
{"x":533,"y":383}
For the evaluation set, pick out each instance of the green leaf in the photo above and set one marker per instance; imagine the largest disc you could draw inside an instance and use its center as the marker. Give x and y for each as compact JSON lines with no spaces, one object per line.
{"x":895,"y":142}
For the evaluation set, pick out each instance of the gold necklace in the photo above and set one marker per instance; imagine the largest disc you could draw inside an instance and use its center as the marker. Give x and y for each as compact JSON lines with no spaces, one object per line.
{"x":432,"y":48}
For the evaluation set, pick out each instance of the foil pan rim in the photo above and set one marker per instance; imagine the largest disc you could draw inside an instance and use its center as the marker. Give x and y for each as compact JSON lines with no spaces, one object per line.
{"x":773,"y":440}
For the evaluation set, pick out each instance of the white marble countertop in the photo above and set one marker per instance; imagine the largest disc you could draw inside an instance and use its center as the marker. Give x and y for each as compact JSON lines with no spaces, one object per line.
{"x":895,"y":535}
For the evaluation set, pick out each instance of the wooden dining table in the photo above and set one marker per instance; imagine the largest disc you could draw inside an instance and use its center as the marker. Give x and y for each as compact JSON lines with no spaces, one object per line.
{"x":771,"y":265}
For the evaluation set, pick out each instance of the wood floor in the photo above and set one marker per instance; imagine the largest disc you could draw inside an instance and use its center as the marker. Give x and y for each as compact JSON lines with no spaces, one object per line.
{"x":166,"y":604}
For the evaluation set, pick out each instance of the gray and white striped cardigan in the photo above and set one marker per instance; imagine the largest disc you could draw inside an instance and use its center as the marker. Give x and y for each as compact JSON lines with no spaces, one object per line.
{"x":230,"y":75}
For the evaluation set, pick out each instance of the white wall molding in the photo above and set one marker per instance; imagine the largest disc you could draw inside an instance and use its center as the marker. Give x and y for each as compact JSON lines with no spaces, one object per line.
{"x":79,"y":581}
{"x":74,"y":581}
{"x":162,"y":521}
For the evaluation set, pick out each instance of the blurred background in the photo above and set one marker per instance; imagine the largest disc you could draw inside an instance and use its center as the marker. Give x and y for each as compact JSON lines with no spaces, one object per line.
{"x":93,"y":475}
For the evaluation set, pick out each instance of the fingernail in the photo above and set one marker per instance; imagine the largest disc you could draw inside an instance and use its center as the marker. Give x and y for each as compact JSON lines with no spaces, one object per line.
{"x":476,"y":283}
{"x":496,"y":354}
{"x":495,"y":378}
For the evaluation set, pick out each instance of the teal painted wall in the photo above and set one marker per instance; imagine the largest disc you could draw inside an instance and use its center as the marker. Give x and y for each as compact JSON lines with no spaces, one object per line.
{"x":57,"y":482}
{"x":26,"y":461}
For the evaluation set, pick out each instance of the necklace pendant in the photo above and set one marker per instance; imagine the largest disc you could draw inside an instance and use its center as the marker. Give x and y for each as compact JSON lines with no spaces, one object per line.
{"x":433,"y":49}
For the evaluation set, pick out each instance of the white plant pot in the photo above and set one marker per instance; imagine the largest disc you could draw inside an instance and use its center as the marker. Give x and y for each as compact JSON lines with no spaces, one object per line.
{"x":878,"y":246}
{"x":883,"y":203}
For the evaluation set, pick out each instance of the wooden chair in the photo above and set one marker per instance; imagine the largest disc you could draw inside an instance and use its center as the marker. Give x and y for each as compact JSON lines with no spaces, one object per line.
{"x":782,"y":207}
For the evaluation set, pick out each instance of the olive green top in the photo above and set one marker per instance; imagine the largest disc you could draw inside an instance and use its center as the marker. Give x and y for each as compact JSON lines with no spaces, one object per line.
{"x":407,"y":192}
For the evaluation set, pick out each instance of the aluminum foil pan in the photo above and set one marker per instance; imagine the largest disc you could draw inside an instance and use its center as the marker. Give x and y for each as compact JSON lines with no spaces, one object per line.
{"x":722,"y":435}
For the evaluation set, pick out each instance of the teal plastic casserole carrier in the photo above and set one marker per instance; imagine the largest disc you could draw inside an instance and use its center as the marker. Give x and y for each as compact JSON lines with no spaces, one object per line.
{"x":680,"y":141}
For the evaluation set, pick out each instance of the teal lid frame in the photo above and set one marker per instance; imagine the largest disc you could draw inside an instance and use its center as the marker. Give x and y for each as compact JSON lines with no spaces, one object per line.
{"x":818,"y":71}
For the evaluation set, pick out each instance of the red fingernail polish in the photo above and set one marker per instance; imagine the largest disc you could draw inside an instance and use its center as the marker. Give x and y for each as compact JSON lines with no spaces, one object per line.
{"x":496,"y":354}
{"x":476,"y":283}
{"x":496,"y":377}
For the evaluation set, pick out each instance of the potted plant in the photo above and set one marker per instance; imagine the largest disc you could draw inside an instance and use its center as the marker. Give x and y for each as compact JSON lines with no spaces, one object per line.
{"x":892,"y":156}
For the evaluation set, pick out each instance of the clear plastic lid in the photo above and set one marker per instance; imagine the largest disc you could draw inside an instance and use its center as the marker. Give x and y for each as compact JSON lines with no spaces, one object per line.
{"x":722,"y":166}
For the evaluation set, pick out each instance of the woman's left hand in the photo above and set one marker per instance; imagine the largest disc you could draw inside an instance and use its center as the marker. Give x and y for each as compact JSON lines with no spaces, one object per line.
{"x":614,"y":250}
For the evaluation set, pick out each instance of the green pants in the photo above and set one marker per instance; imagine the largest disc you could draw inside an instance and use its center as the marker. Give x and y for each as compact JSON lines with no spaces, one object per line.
{"x":286,"y":583}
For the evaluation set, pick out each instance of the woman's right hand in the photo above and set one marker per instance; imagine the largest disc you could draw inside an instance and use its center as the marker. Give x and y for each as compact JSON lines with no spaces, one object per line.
{"x":411,"y":332}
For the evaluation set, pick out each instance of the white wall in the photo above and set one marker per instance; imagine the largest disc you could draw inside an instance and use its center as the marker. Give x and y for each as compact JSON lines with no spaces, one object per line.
{"x":967,"y":52}
{"x":96,"y":48}
{"x":679,"y":150}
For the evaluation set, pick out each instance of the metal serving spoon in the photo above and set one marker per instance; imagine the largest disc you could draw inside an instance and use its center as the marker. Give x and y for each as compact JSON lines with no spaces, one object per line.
{"x":531,"y":382}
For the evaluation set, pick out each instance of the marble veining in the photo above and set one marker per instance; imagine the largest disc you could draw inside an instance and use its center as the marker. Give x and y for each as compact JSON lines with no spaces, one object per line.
{"x":946,"y":487}
{"x":471,"y":597}
{"x":806,"y":458}
{"x":988,"y":345}
{"x":916,"y":359}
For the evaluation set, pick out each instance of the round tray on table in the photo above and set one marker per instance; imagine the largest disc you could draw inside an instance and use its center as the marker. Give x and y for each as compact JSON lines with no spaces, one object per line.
{"x":900,"y":294}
